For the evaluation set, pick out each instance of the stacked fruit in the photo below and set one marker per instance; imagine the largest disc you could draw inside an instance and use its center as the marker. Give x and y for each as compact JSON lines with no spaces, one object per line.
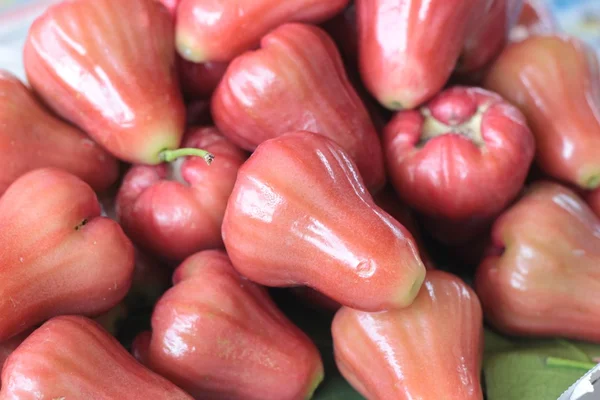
{"x":249,"y":145}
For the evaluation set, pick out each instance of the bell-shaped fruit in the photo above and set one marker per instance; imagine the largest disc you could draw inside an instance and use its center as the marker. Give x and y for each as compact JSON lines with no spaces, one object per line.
{"x":176,"y":209}
{"x":31,"y":138}
{"x":408,"y":49}
{"x":7,"y":347}
{"x":220,"y":336}
{"x":171,"y":5}
{"x":430,"y":350}
{"x":220,"y":30}
{"x":488,"y":33}
{"x":296,"y":81}
{"x":555,"y":81}
{"x":451,"y":159}
{"x":300,"y":214}
{"x":109,"y":67}
{"x":58,"y":255}
{"x":72,"y":357}
{"x":542,"y":274}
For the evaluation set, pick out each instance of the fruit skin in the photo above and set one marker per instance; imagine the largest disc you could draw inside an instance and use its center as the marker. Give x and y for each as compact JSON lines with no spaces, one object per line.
{"x":535,"y":19}
{"x":176,"y":209}
{"x":439,"y":338}
{"x":127,"y":99}
{"x":564,"y":116}
{"x":233,"y":342}
{"x":541,"y":275}
{"x":299,"y":214}
{"x":312,"y":93}
{"x":593,"y":200}
{"x":219,"y":30}
{"x":408,"y":50}
{"x":73,"y":357}
{"x":171,"y":6}
{"x":8,"y":346}
{"x":58,"y":255}
{"x":488,"y":33}
{"x":450,"y":159}
{"x":31,"y":137}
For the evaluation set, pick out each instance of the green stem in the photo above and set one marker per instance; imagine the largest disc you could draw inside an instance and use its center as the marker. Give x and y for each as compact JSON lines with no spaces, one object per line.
{"x":562,"y":362}
{"x":172,"y":155}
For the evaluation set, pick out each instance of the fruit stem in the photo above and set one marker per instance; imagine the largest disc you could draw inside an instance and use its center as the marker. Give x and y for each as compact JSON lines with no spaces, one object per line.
{"x":562,"y":362}
{"x":172,"y":155}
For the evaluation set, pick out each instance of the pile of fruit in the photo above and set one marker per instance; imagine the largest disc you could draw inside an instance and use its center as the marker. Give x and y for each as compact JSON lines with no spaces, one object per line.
{"x":284,"y":200}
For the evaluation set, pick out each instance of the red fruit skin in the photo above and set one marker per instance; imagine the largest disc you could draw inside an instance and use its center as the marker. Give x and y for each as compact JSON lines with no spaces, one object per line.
{"x":408,"y":49}
{"x":439,"y":338}
{"x":199,"y":81}
{"x":593,"y":200}
{"x":7,"y":347}
{"x":391,"y":204}
{"x":73,"y":357}
{"x":171,"y":5}
{"x":128,"y":98}
{"x":535,"y":19}
{"x":219,"y":30}
{"x":220,"y":336}
{"x":542,"y":276}
{"x":176,"y":209}
{"x":58,"y":255}
{"x":31,"y":138}
{"x":488,"y":33}
{"x":567,"y":133}
{"x":312,"y":92}
{"x":299,"y":214}
{"x":450,"y":160}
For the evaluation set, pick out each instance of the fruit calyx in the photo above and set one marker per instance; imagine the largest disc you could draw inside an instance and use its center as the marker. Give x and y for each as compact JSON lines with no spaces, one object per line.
{"x":470,"y":128}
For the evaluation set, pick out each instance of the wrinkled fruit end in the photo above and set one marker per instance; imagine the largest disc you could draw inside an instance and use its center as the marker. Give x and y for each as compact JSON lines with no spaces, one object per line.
{"x":318,"y":379}
{"x":188,"y":49}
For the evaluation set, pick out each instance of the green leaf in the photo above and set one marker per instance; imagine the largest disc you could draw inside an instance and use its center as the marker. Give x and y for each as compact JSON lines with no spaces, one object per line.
{"x":525,"y":369}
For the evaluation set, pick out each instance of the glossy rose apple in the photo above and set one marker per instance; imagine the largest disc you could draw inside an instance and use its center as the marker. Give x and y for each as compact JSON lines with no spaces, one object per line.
{"x":58,"y":255}
{"x":542,"y":275}
{"x":171,"y":5}
{"x":488,"y":32}
{"x":176,"y":209}
{"x":300,"y":214}
{"x":554,"y":81}
{"x":30,"y":138}
{"x":219,"y":30}
{"x":9,"y":346}
{"x":437,"y":340}
{"x":72,"y":357}
{"x":311,"y":92}
{"x":451,"y":159}
{"x":231,"y":341}
{"x":109,"y":67}
{"x":408,"y":49}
